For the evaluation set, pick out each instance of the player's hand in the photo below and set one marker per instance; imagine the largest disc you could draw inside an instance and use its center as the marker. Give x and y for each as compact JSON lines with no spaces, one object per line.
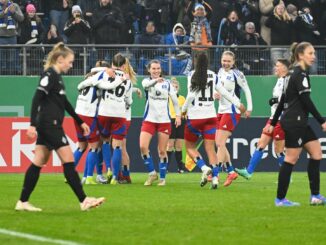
{"x":31,"y":133}
{"x":12,"y":8}
{"x":323,"y":126}
{"x":242,"y":108}
{"x":110,"y":72}
{"x":177,"y":121}
{"x":160,"y":80}
{"x":85,"y":129}
{"x":217,"y":96}
{"x":139,"y":93}
{"x":247,"y":114}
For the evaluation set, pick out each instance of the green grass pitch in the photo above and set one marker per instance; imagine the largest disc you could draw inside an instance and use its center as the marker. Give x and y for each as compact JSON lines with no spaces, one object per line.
{"x":180,"y":213}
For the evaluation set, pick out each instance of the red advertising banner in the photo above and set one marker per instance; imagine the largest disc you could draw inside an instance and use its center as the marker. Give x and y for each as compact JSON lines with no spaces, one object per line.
{"x":17,"y":151}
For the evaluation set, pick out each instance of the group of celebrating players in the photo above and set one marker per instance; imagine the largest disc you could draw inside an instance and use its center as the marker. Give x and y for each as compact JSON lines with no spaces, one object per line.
{"x":103,"y":114}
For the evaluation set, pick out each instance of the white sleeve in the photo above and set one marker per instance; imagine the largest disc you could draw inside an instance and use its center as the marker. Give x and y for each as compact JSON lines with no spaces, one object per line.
{"x":241,"y":79}
{"x":174,"y":99}
{"x":147,"y":83}
{"x":219,"y":87}
{"x":190,"y":98}
{"x":86,"y":83}
{"x":128,"y":98}
{"x":107,"y":85}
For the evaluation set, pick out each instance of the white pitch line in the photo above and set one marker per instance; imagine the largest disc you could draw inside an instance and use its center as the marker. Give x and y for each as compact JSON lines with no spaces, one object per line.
{"x":36,"y":238}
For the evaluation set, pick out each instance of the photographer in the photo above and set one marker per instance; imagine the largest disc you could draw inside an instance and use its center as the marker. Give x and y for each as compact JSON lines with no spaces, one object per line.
{"x":77,"y":29}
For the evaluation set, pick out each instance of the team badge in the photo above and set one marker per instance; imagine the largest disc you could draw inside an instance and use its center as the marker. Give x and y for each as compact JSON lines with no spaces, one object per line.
{"x":305,"y":83}
{"x":44,"y":81}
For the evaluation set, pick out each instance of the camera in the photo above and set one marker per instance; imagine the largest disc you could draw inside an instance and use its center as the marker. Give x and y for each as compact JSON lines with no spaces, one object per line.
{"x":77,"y":15}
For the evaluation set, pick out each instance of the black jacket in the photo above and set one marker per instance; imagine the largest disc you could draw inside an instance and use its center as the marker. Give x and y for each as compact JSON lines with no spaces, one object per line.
{"x":282,"y":32}
{"x":77,"y":33}
{"x":107,"y":23}
{"x":26,"y":31}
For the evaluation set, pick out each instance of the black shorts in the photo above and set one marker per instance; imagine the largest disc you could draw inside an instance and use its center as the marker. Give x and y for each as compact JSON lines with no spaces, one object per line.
{"x":298,"y":137}
{"x":177,"y":133}
{"x":53,"y":137}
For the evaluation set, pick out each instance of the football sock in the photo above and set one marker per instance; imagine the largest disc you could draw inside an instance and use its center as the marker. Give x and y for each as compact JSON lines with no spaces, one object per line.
{"x":229,"y":167}
{"x":163,"y":165}
{"x":126,"y":171}
{"x":77,"y":155}
{"x":200,"y":163}
{"x":31,"y":177}
{"x":178,"y":158}
{"x":73,"y":180}
{"x":91,"y":161}
{"x":314,"y":176}
{"x":215,"y":170}
{"x":148,"y":161}
{"x":99,"y":165}
{"x":255,"y":159}
{"x":116,"y":161}
{"x":106,"y":150}
{"x":284,"y":177}
{"x":280,"y":158}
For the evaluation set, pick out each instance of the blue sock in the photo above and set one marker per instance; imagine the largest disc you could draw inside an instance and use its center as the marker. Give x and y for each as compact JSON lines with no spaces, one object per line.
{"x":280,"y":158}
{"x":215,"y":171}
{"x":200,"y":162}
{"x":148,"y":161}
{"x":106,"y":151}
{"x":77,"y":155}
{"x":125,"y":171}
{"x":255,"y":159}
{"x":229,"y":167}
{"x":116,"y":161}
{"x":163,"y":166}
{"x":99,"y":165}
{"x":91,"y":161}
{"x":85,"y":170}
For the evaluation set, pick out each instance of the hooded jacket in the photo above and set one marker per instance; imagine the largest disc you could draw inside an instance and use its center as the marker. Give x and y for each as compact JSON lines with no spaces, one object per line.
{"x":173,"y":39}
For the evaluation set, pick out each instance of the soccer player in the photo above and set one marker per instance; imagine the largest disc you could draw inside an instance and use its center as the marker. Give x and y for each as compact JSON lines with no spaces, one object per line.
{"x":228,"y":116}
{"x":296,"y":105}
{"x":281,"y":71}
{"x":157,"y":119}
{"x":47,"y":114}
{"x":201,"y":115}
{"x":124,"y":177}
{"x":87,"y":109}
{"x":177,"y":133}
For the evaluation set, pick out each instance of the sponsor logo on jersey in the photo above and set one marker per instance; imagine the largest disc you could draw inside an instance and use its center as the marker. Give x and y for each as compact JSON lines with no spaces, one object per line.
{"x":44,"y":81}
{"x":305,"y":83}
{"x":300,"y":141}
{"x":225,"y":126}
{"x":62,"y":92}
{"x":64,"y":140}
{"x":277,"y":136}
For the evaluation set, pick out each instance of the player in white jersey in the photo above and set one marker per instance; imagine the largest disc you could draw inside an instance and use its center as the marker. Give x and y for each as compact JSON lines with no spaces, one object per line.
{"x":201,"y":113}
{"x":124,"y":175}
{"x":157,"y":119}
{"x":228,"y":116}
{"x":87,"y":108}
{"x":281,"y":71}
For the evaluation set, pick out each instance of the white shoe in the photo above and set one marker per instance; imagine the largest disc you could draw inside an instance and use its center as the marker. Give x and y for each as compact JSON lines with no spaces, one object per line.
{"x":207,"y":171}
{"x":214,"y":183}
{"x":83,"y":180}
{"x":151,"y":178}
{"x":101,"y":179}
{"x":11,"y":27}
{"x":161,"y":182}
{"x":91,"y":202}
{"x":26,"y":206}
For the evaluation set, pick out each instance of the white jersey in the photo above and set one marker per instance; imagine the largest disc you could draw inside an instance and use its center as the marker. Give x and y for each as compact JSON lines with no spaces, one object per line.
{"x":157,"y":100}
{"x":233,"y":81}
{"x":200,"y":105}
{"x":277,"y":93}
{"x":116,"y":93}
{"x":88,"y":98}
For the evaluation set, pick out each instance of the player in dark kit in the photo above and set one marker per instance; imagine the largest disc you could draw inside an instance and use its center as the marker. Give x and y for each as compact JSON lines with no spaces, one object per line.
{"x":296,"y":105}
{"x":48,"y":108}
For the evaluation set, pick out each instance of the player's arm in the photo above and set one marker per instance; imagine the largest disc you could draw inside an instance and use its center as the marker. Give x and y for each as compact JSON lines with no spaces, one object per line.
{"x":147,"y":83}
{"x":226,"y":94}
{"x":278,"y":111}
{"x":244,"y":85}
{"x":190,"y":98}
{"x":110,"y":83}
{"x":128,"y":98}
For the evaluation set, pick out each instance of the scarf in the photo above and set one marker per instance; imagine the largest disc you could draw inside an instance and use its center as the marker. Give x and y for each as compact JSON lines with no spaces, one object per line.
{"x":196,"y":29}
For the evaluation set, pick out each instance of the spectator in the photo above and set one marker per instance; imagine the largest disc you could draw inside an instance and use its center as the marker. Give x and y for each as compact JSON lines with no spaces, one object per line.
{"x":250,"y":12}
{"x":292,"y":11}
{"x":192,"y":5}
{"x":255,"y":60}
{"x":282,"y":31}
{"x":10,"y":15}
{"x":31,"y":28}
{"x":150,"y":36}
{"x":177,"y":37}
{"x":266,"y":9}
{"x":200,"y":34}
{"x":128,"y":9}
{"x":77,"y":29}
{"x":88,"y":7}
{"x":52,"y":36}
{"x":230,"y":32}
{"x":59,"y":14}
{"x":306,"y":27}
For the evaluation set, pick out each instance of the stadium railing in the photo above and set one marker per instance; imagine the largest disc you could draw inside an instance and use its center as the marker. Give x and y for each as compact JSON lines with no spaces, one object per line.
{"x":175,"y":60}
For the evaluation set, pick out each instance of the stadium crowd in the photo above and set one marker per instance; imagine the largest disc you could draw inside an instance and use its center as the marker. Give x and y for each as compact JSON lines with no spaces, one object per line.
{"x":172,"y":22}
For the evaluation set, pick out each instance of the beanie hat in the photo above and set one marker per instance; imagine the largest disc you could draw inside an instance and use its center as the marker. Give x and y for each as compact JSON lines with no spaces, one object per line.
{"x":198,"y":5}
{"x":76,"y":8}
{"x":30,"y":8}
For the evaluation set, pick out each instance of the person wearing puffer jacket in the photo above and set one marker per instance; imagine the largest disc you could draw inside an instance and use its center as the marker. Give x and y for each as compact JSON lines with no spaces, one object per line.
{"x":177,"y":37}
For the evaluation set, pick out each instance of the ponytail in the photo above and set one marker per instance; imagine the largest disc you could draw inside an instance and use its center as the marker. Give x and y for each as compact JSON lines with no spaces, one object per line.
{"x":58,"y":50}
{"x":199,"y":78}
{"x":130,"y":71}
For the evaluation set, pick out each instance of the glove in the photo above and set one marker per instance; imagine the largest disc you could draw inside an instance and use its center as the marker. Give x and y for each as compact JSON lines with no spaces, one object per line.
{"x":273,"y":101}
